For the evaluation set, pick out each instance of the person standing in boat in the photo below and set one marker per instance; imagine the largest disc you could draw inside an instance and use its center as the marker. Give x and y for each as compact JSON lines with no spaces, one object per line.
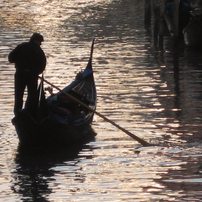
{"x":30,"y":61}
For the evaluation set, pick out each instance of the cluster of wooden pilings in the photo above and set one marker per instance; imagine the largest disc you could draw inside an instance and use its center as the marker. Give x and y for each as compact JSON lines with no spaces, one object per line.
{"x":155,"y":9}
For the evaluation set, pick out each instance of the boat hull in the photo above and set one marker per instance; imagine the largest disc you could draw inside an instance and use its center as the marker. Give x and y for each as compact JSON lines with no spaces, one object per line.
{"x":193,"y":34}
{"x":51,"y":131}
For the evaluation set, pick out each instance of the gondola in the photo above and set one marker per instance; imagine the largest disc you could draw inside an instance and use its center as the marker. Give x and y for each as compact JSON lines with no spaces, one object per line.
{"x":193,"y":31}
{"x":184,"y":16}
{"x":60,"y":119}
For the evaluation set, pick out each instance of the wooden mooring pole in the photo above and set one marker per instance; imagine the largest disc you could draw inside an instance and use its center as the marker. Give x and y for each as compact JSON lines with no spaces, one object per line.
{"x":161,"y":23}
{"x":176,"y":22}
{"x":152,"y":9}
{"x":147,"y":13}
{"x":155,"y":12}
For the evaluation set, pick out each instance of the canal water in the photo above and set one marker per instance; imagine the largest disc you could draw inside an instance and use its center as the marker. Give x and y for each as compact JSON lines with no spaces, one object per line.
{"x":143,"y":90}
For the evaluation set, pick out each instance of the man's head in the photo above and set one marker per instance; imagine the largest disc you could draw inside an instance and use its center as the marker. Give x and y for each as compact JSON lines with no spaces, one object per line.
{"x":36,"y":38}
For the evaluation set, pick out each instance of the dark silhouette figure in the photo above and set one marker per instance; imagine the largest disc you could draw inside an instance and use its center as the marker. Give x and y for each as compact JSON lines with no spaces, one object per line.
{"x":30,"y":61}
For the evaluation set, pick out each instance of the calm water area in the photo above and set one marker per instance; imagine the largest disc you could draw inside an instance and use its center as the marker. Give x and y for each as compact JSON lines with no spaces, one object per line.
{"x":137,"y":88}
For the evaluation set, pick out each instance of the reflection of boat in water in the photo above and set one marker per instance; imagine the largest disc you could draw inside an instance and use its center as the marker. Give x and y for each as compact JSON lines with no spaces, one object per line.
{"x":36,"y":169}
{"x":193,"y":31}
{"x":61,"y":119}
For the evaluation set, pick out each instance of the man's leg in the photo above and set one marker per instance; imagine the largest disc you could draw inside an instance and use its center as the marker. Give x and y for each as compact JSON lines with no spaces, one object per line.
{"x":32,"y":98}
{"x":19,"y":92}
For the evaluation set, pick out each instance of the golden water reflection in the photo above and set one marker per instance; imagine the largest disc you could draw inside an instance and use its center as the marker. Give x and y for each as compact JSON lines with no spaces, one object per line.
{"x":137,"y":88}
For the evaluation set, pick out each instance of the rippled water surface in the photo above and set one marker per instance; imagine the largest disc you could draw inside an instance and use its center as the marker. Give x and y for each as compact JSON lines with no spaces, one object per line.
{"x":137,"y":88}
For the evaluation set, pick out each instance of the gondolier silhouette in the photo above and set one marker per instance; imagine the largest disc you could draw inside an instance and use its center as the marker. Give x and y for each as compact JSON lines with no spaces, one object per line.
{"x":30,"y":61}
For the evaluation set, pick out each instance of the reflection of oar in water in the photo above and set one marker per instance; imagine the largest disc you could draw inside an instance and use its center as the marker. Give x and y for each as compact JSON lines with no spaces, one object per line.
{"x":141,"y":141}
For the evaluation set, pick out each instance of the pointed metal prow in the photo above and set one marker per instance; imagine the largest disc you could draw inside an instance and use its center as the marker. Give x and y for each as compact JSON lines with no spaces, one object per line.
{"x":89,"y":66}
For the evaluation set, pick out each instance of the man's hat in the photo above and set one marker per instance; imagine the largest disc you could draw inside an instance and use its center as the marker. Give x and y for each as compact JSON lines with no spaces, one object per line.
{"x":36,"y":37}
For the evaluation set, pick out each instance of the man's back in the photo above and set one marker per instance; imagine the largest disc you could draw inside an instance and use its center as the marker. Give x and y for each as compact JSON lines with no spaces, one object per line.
{"x":28,"y":56}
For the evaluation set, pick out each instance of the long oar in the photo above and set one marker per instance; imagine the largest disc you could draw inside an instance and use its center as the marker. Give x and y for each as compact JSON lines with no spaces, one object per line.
{"x":141,"y":141}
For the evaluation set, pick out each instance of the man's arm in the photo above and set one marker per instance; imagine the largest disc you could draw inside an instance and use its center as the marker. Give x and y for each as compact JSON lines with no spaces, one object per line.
{"x":12,"y":56}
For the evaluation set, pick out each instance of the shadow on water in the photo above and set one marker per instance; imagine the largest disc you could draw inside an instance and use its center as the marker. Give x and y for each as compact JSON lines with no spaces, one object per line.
{"x":179,"y":92}
{"x":35,"y":167}
{"x":181,"y":72}
{"x":104,"y":21}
